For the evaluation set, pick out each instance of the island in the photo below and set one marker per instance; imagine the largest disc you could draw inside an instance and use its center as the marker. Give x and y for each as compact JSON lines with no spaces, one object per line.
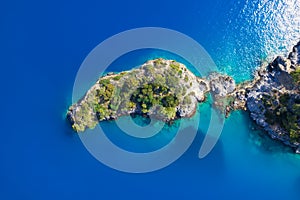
{"x":161,"y":88}
{"x":168,"y":90}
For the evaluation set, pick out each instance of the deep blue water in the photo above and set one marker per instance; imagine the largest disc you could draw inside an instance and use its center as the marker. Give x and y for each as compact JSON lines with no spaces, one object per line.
{"x":43,"y":44}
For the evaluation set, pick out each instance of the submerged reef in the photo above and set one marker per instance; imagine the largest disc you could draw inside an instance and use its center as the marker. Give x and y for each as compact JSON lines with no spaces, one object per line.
{"x":168,"y":90}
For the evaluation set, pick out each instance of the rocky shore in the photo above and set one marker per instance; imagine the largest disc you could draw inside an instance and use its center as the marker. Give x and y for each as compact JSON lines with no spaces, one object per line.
{"x":272,"y":98}
{"x":167,"y":90}
{"x":163,"y":89}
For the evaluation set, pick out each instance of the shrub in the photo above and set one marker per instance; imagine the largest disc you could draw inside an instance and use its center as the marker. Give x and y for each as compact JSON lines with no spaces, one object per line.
{"x":170,"y":101}
{"x":101,"y":111}
{"x":296,"y":109}
{"x":149,"y":69}
{"x":187,"y":100}
{"x":294,"y":136}
{"x":160,"y":80}
{"x":172,"y":81}
{"x":116,"y":78}
{"x":296,"y":75}
{"x":284,"y":99}
{"x":158,"y":61}
{"x":175,"y":65}
{"x":104,"y":81}
{"x":153,"y":94}
{"x":169,"y":112}
{"x":186,"y":78}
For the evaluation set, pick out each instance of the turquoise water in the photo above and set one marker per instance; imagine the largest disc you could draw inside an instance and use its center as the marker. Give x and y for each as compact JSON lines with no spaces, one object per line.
{"x":244,"y":164}
{"x":244,"y":158}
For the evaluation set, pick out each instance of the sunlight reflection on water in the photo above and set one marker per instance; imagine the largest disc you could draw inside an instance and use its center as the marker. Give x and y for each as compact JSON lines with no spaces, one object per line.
{"x":261,"y":30}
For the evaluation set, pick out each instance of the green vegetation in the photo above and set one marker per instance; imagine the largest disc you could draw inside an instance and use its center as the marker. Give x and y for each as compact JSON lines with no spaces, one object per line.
{"x":104,"y":81}
{"x":294,"y":136}
{"x":108,"y":99}
{"x":102,"y":98}
{"x":84,"y":114}
{"x":168,"y":112}
{"x":101,"y":111}
{"x":153,"y":94}
{"x":171,"y":80}
{"x":159,"y":61}
{"x":187,"y":100}
{"x":154,"y":88}
{"x":186,"y":78}
{"x":170,"y":101}
{"x":149,"y":69}
{"x":104,"y":94}
{"x":283,"y":99}
{"x":286,"y":113}
{"x":116,"y":78}
{"x":129,"y":83}
{"x":296,"y":75}
{"x":119,"y":76}
{"x":160,"y":80}
{"x":175,"y":65}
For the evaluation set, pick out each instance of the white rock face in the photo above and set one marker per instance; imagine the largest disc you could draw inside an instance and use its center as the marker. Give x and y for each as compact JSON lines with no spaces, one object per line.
{"x":221,"y":85}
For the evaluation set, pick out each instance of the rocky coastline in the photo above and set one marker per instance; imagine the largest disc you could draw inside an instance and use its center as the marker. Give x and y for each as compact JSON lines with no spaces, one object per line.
{"x":272,"y":98}
{"x":163,"y":89}
{"x":167,"y":90}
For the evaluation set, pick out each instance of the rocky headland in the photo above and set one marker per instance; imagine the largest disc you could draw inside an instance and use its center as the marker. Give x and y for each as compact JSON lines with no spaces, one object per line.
{"x":273,"y":98}
{"x":167,"y":90}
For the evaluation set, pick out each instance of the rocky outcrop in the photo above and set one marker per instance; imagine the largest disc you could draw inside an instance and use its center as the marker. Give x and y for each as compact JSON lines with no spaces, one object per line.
{"x":294,"y":56}
{"x":270,"y":99}
{"x":167,"y":90}
{"x":221,"y":85}
{"x":163,"y":89}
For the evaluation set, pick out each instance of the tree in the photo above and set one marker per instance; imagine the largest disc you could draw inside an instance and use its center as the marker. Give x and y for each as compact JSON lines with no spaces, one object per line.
{"x":170,"y":101}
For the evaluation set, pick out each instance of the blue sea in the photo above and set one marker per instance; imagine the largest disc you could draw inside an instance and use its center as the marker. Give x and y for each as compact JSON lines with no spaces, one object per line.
{"x":43,"y":44}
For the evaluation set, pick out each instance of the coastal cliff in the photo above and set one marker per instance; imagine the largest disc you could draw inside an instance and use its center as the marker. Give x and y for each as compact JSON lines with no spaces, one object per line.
{"x":167,"y":90}
{"x":273,"y":98}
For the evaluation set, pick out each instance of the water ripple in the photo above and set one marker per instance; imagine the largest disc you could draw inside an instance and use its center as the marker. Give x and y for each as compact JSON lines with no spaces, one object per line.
{"x":257,"y":33}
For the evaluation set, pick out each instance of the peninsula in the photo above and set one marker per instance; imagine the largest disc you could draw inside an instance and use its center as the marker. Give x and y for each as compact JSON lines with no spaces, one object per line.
{"x":168,"y":90}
